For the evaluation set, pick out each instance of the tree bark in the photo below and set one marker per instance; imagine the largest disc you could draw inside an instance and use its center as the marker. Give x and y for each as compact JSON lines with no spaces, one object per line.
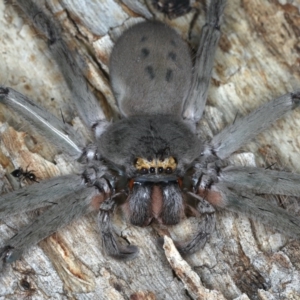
{"x":258,"y":59}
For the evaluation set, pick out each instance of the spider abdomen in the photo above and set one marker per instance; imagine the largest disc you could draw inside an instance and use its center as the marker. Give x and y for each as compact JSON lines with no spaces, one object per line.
{"x":150,"y":69}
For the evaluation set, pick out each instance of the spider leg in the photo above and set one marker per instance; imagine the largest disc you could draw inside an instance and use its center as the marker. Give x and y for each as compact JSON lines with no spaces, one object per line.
{"x":210,"y":35}
{"x":60,"y":134}
{"x":205,"y":228}
{"x":255,"y":207}
{"x":70,"y":63}
{"x":62,"y":213}
{"x":261,"y":181}
{"x":39,"y":195}
{"x":112,"y":247}
{"x":234,"y":136}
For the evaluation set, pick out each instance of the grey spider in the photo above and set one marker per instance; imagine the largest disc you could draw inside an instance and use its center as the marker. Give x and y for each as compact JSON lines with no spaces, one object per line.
{"x":151,"y":162}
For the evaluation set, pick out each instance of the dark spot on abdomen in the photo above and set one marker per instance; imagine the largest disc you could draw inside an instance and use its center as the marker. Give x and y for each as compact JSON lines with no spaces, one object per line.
{"x":143,"y":39}
{"x":145,"y":52}
{"x":173,"y":43}
{"x":172,"y":56}
{"x":149,"y":70}
{"x":169,"y":75}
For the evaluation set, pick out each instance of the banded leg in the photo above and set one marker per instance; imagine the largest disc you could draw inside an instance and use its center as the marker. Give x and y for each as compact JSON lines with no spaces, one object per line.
{"x":58,"y":133}
{"x":210,"y":35}
{"x":112,"y":247}
{"x":69,"y":62}
{"x":235,"y":135}
{"x":39,"y":195}
{"x":67,"y":209}
{"x":261,"y":181}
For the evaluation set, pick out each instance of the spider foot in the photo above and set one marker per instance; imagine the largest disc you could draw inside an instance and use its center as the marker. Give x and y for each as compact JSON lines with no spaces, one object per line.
{"x":199,"y":240}
{"x":112,"y":247}
{"x":116,"y":250}
{"x":205,"y":227}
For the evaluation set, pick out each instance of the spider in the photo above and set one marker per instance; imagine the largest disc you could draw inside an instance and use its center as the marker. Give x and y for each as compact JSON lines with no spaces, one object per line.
{"x":194,"y":172}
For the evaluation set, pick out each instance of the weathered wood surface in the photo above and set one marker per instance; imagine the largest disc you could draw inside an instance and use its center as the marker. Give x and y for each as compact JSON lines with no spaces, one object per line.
{"x":258,"y":59}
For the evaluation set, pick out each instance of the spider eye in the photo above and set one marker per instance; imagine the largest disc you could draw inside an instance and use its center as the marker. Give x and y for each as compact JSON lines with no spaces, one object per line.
{"x":160,"y":169}
{"x":152,"y":170}
{"x":144,"y":170}
{"x":169,"y":170}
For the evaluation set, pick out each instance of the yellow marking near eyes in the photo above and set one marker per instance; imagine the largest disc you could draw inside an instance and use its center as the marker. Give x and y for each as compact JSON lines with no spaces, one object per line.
{"x":169,"y":162}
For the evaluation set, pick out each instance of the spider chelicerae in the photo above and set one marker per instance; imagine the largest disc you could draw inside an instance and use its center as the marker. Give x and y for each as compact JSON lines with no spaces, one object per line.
{"x":170,"y":172}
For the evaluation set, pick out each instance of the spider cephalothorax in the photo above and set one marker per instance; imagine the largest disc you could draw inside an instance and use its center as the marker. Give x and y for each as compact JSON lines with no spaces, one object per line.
{"x":139,"y":146}
{"x":154,"y":161}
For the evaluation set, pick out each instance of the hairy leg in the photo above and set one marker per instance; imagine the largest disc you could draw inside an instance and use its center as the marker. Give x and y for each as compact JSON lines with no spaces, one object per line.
{"x":70,"y":63}
{"x":234,"y":136}
{"x":58,"y":133}
{"x":209,"y":39}
{"x":112,"y":247}
{"x":39,"y":195}
{"x":205,"y":228}
{"x":261,"y":181}
{"x":62,"y":213}
{"x":255,"y":207}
